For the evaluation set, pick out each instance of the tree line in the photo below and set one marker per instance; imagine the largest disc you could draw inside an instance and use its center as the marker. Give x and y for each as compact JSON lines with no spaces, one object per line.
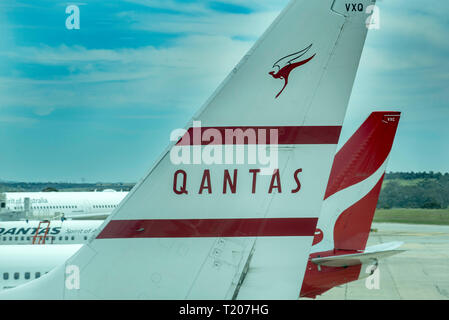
{"x":428,"y":190}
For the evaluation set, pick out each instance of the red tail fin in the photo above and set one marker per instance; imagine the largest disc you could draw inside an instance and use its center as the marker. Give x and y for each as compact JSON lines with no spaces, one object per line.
{"x":354,"y":184}
{"x":350,"y":202}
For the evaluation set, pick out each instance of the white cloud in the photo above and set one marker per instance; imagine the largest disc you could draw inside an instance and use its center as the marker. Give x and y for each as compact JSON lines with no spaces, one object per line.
{"x":157,"y":77}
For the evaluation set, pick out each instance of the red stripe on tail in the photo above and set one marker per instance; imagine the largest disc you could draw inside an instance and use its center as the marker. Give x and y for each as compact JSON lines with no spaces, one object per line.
{"x":286,"y":135}
{"x":199,"y":228}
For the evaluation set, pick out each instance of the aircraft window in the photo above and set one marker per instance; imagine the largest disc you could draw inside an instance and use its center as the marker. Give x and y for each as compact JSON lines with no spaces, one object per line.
{"x":22,"y":238}
{"x":3,"y":204}
{"x":27,"y":275}
{"x":85,"y":238}
{"x":4,"y":238}
{"x":16,"y":276}
{"x":37,"y":275}
{"x":73,"y":238}
{"x":16,"y":238}
{"x":10,"y":238}
{"x":66,"y":238}
{"x":5,"y":276}
{"x":28,"y":238}
{"x":60,"y":238}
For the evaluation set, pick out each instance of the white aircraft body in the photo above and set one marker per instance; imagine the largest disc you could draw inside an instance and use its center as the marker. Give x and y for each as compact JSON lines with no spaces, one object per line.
{"x":47,"y":232}
{"x":233,"y":228}
{"x":21,"y":264}
{"x":41,"y":205}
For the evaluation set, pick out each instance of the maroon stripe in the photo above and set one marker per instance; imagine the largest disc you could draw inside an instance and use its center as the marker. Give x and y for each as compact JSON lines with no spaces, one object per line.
{"x":199,"y":228}
{"x":286,"y":135}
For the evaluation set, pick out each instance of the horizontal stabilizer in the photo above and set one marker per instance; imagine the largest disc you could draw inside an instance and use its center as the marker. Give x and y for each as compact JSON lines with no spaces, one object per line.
{"x":369,"y":255}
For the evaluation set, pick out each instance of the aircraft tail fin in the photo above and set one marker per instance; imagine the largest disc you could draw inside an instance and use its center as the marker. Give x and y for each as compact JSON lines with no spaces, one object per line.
{"x":338,"y":253}
{"x":354,"y":185}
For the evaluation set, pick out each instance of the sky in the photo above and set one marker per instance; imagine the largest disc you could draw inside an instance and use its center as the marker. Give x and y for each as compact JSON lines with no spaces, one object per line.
{"x":98,"y":103}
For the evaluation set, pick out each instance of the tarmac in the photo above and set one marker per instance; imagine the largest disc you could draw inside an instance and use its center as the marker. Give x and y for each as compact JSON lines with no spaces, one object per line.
{"x":419,"y":273}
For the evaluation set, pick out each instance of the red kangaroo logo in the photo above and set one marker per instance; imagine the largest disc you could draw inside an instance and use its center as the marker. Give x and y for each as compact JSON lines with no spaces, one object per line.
{"x":285,"y":66}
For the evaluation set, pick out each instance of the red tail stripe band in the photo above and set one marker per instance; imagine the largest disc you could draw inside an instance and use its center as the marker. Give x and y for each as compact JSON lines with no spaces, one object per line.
{"x":200,"y":228}
{"x":286,"y":135}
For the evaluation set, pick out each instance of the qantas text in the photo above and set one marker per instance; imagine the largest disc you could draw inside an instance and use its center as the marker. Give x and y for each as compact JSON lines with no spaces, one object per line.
{"x":231,"y":145}
{"x":230,"y":180}
{"x":28,"y":231}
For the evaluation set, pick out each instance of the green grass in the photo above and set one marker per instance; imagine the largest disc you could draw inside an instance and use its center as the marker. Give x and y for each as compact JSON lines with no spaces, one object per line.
{"x":415,"y":216}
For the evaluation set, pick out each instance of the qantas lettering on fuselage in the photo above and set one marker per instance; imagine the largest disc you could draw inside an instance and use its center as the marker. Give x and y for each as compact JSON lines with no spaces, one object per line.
{"x":230,"y":181}
{"x":29,"y":231}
